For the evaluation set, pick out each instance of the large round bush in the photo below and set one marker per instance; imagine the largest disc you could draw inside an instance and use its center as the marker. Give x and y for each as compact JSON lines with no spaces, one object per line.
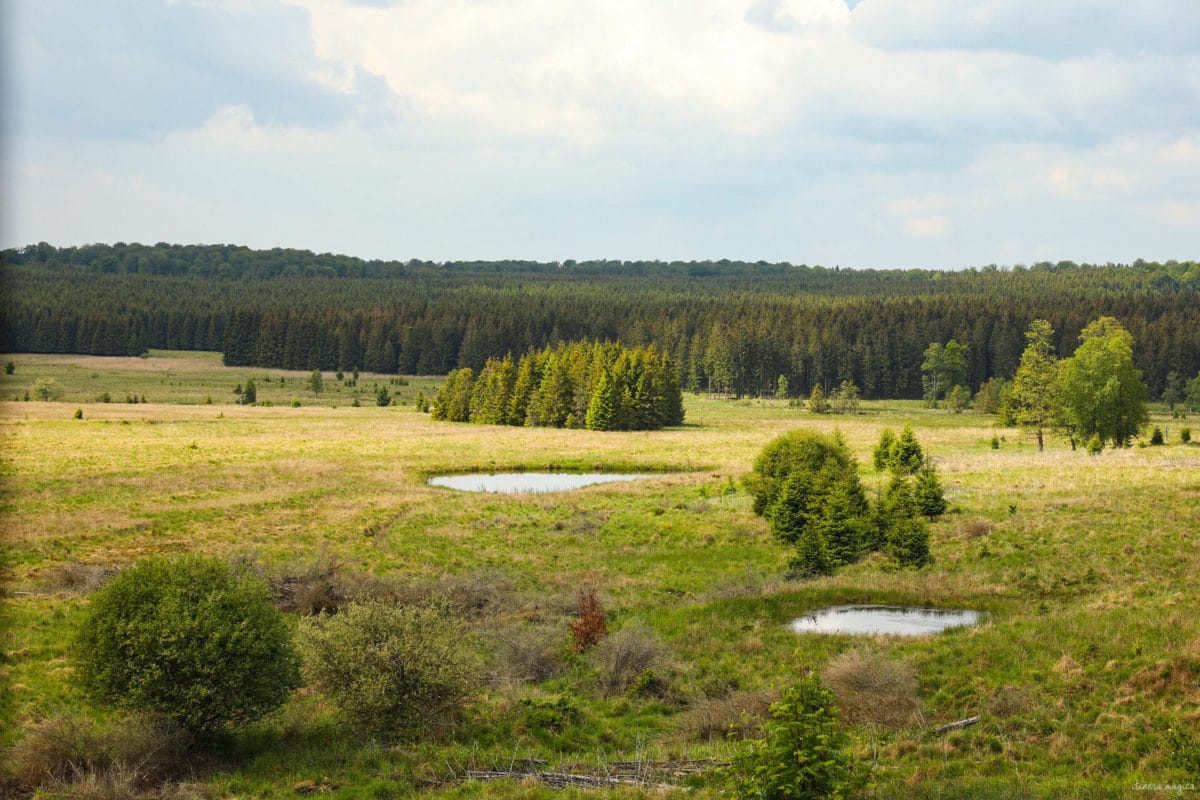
{"x":191,"y":639}
{"x":803,"y":451}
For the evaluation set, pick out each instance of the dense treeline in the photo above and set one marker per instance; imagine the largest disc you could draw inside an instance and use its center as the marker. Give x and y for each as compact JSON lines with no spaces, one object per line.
{"x":730,"y":327}
{"x":599,"y":386}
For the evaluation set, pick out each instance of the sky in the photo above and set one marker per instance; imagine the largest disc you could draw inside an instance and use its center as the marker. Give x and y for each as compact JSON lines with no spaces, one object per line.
{"x":853,"y":133}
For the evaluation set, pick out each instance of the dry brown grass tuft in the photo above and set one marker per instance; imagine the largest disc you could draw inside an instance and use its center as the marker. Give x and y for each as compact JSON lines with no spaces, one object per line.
{"x":71,"y":755}
{"x":1008,"y":701}
{"x":873,"y":689}
{"x":76,"y":578}
{"x":313,"y":588}
{"x":626,"y":654}
{"x":529,"y":654}
{"x":1068,"y":666}
{"x":976,"y":527}
{"x":738,"y":715}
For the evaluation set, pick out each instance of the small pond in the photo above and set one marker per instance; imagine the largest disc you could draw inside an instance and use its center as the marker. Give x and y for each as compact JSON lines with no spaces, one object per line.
{"x":891,"y":620}
{"x":533,"y":482}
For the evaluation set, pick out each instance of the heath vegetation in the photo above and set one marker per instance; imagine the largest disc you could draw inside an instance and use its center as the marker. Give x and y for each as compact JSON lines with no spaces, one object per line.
{"x":317,"y":522}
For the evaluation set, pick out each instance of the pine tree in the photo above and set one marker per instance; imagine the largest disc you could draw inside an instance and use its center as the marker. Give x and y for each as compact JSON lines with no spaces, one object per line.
{"x":792,"y":513}
{"x":603,"y":413}
{"x":883,"y":451}
{"x":905,"y":455}
{"x":928,"y":494}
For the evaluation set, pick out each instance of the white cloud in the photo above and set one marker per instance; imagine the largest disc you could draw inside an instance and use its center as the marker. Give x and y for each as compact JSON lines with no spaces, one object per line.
{"x":928,"y":227}
{"x":902,"y":132}
{"x":1181,"y":213}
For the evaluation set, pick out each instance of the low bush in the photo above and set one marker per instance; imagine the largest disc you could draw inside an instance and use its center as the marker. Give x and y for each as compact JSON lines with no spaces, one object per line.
{"x":529,"y":654}
{"x":312,"y":588}
{"x":397,"y":671}
{"x":551,"y":714}
{"x":738,"y":715}
{"x":625,"y":655}
{"x":873,"y":689}
{"x":78,"y":578}
{"x":189,"y":638}
{"x":589,"y":626}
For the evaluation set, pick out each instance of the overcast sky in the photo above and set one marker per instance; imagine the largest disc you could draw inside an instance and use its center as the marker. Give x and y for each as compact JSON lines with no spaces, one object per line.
{"x":876,"y":133}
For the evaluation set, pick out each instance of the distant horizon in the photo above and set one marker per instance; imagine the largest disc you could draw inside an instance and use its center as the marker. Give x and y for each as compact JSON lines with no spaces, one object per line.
{"x":564,"y":261}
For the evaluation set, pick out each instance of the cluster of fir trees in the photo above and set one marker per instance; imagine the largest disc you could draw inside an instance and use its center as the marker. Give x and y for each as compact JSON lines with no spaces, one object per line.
{"x":806,"y":485}
{"x":601,"y":386}
{"x":730,"y":327}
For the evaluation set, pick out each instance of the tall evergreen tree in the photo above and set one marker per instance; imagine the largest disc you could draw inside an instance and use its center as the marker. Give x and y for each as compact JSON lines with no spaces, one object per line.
{"x":603,"y":412}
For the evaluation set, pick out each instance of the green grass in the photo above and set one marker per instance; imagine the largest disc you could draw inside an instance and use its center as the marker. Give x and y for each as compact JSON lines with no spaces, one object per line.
{"x":1087,"y":566}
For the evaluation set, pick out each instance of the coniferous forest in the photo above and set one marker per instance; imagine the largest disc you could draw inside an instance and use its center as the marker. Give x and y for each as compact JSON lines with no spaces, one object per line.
{"x":728,"y":327}
{"x":598,"y":386}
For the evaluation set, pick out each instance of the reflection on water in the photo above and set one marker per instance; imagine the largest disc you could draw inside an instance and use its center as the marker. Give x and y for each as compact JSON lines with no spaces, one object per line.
{"x":534,"y":482}
{"x":893,"y":620}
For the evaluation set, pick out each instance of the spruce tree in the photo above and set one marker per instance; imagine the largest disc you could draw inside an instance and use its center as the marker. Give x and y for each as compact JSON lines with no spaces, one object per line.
{"x":603,"y":413}
{"x":905,"y":455}
{"x":928,"y":493}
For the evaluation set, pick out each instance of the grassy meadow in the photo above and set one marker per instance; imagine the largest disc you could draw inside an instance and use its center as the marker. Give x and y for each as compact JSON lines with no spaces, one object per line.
{"x":1088,"y":569}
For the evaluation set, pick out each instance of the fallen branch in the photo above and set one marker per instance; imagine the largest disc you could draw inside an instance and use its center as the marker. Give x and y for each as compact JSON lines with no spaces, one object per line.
{"x":645,"y":774}
{"x":954,"y":726}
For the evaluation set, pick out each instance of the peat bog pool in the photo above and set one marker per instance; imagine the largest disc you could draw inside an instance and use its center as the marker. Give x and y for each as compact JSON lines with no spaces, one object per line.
{"x":530,"y":482}
{"x":887,"y":620}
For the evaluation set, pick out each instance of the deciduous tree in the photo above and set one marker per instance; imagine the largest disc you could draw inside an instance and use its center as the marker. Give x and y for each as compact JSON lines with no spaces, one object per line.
{"x":1102,"y":391}
{"x":1033,"y":400}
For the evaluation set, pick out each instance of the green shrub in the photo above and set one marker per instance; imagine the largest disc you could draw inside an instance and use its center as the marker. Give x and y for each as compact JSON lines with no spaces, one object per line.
{"x":394,"y":670}
{"x":47,"y":389}
{"x":1185,"y":435}
{"x":552,"y":714}
{"x":802,"y":451}
{"x":1095,"y":444}
{"x":803,"y":752}
{"x":1184,"y":751}
{"x":190,"y":639}
{"x":1156,"y":436}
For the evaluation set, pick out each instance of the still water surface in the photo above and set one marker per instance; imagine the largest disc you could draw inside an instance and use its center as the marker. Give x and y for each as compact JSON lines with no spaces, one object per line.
{"x":893,"y":620}
{"x":533,"y":482}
